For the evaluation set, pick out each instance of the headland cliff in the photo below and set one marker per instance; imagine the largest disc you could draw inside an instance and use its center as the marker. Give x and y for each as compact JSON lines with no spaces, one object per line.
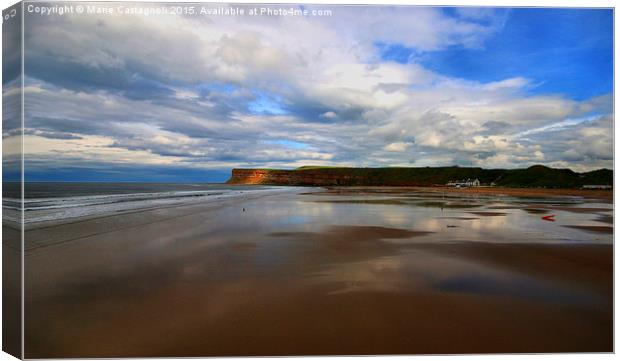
{"x":534,"y":176}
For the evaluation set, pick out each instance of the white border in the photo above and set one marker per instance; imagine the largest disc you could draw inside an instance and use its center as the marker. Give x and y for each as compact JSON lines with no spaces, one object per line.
{"x":489,"y":3}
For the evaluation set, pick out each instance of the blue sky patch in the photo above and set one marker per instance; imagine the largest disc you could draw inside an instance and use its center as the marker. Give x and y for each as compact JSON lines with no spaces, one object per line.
{"x":564,"y":51}
{"x":288,"y":143}
{"x":265,"y":104}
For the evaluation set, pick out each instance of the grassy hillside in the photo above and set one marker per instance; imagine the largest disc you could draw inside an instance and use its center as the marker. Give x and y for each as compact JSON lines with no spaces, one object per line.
{"x":601,"y":176}
{"x":398,"y":176}
{"x":537,"y":176}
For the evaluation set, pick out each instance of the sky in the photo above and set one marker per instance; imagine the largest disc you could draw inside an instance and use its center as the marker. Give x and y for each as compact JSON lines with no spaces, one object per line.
{"x":188,"y":98}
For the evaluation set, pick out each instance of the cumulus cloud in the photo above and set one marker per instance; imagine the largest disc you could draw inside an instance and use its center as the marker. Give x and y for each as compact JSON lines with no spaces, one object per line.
{"x":397,"y":147}
{"x":215,"y":93}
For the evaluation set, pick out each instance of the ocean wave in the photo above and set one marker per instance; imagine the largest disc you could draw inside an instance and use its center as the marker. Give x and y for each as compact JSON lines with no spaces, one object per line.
{"x":34,"y":204}
{"x":55,"y":209}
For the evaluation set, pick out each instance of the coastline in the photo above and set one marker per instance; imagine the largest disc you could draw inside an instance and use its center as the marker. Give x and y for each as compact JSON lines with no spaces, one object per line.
{"x":50,"y":232}
{"x":535,"y":192}
{"x":47,"y":233}
{"x":58,"y":210}
{"x":498,"y":191}
{"x":536,"y":176}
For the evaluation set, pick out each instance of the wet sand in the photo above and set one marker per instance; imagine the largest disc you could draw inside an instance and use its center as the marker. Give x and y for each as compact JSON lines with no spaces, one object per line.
{"x":518,"y":192}
{"x":324,"y":273}
{"x":535,"y":192}
{"x":598,"y":229}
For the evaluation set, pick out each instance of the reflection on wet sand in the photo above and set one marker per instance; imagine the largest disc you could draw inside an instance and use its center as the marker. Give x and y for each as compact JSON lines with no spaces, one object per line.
{"x":319,"y":273}
{"x":597,"y":229}
{"x":488,"y":214}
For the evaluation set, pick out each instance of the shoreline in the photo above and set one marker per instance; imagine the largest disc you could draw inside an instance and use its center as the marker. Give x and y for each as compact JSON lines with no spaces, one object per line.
{"x":535,"y":192}
{"x":50,"y":233}
{"x":108,"y":221}
{"x":48,"y":217}
{"x":500,"y":191}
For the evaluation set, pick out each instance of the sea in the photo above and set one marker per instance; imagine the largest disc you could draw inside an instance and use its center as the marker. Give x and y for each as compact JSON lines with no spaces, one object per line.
{"x":53,"y":201}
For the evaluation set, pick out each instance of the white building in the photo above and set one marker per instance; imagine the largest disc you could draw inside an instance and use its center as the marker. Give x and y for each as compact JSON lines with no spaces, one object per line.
{"x":464,"y":183}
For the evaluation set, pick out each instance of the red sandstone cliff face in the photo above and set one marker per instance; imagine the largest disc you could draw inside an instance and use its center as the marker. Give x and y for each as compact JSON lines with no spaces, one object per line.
{"x":254,"y":176}
{"x":288,"y":177}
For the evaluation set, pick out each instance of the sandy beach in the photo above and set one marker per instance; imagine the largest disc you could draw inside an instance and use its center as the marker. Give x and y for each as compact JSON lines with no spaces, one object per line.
{"x":536,"y":192}
{"x":493,"y":191}
{"x":327,"y":272}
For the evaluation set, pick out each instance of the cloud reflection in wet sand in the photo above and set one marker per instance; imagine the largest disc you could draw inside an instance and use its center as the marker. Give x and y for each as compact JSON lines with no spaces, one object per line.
{"x":287,"y":275}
